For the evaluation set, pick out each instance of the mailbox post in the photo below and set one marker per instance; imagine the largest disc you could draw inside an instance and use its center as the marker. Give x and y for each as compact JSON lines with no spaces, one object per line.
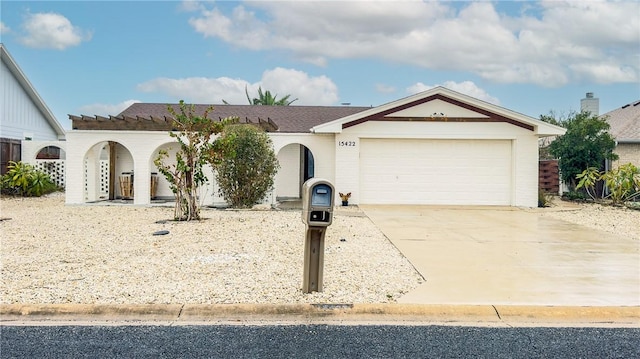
{"x":317,"y":213}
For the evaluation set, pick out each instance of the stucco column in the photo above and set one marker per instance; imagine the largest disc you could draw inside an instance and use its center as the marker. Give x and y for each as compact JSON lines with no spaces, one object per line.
{"x":142,"y":179}
{"x":74,"y":176}
{"x":92,"y":174}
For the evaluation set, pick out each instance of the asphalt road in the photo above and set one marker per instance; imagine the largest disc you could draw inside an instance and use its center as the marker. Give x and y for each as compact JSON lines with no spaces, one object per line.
{"x":315,"y":341}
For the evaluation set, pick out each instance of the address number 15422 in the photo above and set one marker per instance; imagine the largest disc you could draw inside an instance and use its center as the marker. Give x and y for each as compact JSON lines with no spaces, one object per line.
{"x":347,"y":143}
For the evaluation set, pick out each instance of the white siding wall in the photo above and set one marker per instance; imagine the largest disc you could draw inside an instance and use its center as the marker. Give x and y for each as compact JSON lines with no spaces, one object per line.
{"x":19,"y":116}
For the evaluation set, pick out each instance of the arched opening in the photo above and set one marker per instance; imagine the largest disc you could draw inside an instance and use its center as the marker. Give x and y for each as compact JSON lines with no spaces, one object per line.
{"x":296,"y":166}
{"x":160,"y":187}
{"x":51,"y":153}
{"x":108,"y":172}
{"x":51,"y":160}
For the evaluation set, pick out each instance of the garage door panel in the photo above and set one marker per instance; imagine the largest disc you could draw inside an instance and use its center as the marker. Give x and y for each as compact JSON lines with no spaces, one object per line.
{"x":435,"y":171}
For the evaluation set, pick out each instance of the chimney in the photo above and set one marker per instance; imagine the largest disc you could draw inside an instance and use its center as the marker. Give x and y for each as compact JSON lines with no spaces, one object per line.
{"x":590,"y":104}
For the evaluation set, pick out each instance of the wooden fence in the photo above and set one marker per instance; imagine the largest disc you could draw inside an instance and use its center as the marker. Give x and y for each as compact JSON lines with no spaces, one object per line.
{"x":549,"y":176}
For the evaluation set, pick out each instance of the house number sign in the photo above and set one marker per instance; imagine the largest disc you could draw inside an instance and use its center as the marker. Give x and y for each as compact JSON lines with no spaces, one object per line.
{"x":347,"y":143}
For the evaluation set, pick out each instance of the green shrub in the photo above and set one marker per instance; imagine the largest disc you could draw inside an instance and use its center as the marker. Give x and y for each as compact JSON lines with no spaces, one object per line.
{"x":623,"y":182}
{"x":247,"y":168}
{"x":23,"y":179}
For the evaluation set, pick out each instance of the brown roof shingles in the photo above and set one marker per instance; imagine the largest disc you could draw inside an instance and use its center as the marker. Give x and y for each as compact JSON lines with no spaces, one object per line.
{"x":625,"y":122}
{"x":290,"y":119}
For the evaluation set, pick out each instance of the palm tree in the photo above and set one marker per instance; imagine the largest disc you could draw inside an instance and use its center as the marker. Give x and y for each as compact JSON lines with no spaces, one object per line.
{"x":267,"y":99}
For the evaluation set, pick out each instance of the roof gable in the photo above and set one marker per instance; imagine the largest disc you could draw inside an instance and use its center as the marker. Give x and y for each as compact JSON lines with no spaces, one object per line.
{"x":13,"y":67}
{"x":436,"y":107}
{"x":441,"y":104}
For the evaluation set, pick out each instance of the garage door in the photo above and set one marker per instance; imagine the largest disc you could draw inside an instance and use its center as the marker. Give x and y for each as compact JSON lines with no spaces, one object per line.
{"x":458,"y":172}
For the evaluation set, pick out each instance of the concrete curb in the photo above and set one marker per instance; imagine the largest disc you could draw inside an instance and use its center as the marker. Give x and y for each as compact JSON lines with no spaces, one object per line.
{"x":370,"y":313}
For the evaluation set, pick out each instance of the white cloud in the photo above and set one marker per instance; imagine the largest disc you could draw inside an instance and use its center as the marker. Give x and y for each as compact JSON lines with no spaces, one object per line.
{"x":308,"y":90}
{"x":198,"y":89}
{"x":191,"y":5}
{"x":382,"y":88}
{"x":4,"y":29}
{"x":465,"y":87}
{"x":547,"y":43}
{"x":106,"y":109}
{"x":51,"y":30}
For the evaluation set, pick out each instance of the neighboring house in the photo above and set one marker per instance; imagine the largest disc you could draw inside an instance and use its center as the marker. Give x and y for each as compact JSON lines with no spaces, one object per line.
{"x":625,"y":128}
{"x":435,"y":147}
{"x":28,"y":129}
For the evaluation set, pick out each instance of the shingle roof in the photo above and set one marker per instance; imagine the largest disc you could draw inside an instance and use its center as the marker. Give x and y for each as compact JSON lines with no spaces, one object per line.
{"x":287,"y":118}
{"x":625,"y":122}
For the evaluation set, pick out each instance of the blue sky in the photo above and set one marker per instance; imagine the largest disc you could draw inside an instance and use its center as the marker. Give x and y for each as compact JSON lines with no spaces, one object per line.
{"x":97,"y":57}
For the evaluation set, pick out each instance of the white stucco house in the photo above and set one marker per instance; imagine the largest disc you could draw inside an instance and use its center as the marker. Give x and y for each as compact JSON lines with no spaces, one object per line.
{"x":27,"y":125}
{"x":436,"y":147}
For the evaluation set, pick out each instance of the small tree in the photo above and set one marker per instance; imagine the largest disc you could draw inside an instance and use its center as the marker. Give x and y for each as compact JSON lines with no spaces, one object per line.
{"x":587,"y":143}
{"x":193,"y":134}
{"x":245,"y":172}
{"x":588,"y":179}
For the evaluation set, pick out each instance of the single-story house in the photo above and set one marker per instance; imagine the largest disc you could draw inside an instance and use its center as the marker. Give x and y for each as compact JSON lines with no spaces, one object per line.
{"x":28,"y":128}
{"x":437,"y":147}
{"x":625,"y":129}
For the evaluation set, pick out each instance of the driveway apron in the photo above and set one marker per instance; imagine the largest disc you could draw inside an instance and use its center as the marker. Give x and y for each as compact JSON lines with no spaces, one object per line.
{"x":506,"y":255}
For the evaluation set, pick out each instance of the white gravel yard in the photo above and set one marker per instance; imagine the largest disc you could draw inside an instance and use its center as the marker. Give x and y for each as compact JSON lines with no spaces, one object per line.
{"x":618,"y":220}
{"x":99,"y":254}
{"x":106,"y":254}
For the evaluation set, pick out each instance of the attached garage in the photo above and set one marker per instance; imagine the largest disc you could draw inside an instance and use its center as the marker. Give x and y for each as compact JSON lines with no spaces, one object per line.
{"x":416,"y":171}
{"x":438,"y":147}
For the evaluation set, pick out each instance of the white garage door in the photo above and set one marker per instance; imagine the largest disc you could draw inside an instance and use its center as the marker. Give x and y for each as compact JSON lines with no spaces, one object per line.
{"x":459,"y":172}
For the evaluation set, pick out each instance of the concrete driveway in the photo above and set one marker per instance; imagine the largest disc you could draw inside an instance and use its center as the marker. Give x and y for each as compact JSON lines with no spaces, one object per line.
{"x":504,"y":255}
